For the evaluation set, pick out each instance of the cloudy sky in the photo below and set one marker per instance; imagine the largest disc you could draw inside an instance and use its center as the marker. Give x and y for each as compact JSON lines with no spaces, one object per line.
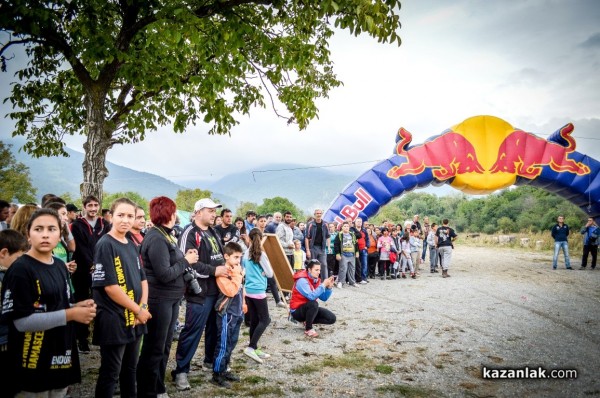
{"x":532,"y":63}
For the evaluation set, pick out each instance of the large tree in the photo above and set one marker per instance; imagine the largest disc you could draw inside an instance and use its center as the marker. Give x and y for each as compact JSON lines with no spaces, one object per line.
{"x":15,"y":182}
{"x":113,"y":70}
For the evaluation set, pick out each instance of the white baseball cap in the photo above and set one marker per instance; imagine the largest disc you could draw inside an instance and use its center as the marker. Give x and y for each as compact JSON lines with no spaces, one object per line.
{"x":206,"y":203}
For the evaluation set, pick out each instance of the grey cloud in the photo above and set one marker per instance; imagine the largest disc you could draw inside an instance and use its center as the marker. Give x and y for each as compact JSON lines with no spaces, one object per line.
{"x":592,"y":41}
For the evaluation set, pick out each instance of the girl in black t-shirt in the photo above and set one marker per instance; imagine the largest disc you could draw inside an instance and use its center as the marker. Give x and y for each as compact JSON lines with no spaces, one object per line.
{"x":120,"y":289}
{"x":36,"y":302}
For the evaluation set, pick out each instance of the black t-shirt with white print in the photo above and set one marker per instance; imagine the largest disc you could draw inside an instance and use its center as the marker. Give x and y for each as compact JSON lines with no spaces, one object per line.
{"x":445,"y":236}
{"x":43,"y":360}
{"x":116,"y":263}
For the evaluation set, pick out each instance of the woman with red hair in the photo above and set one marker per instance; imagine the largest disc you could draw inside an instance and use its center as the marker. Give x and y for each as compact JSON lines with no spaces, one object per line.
{"x":165,"y":266}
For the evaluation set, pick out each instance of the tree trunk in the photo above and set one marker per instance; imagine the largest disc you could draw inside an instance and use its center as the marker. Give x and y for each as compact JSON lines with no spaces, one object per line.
{"x":95,"y":148}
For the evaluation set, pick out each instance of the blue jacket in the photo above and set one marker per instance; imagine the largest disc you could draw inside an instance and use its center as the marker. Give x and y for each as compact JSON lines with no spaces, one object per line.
{"x":560,"y":234}
{"x":310,"y":233}
{"x":592,"y":233}
{"x":256,"y":274}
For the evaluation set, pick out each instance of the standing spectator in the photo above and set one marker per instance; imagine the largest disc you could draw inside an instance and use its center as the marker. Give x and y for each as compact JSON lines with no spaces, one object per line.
{"x":298,"y":234}
{"x":21,"y":218}
{"x":258,"y":270}
{"x":4,"y":212}
{"x":139,"y":224}
{"x":243,"y":240}
{"x":66,"y":245}
{"x":107,"y":215}
{"x":72,"y":211}
{"x":286,"y":236}
{"x":87,"y":231}
{"x":200,"y":315}
{"x":227,"y":230}
{"x":305,"y":293}
{"x":346,"y":252}
{"x":415,"y":250}
{"x":405,"y":257}
{"x":299,"y":256}
{"x":372,"y":252}
{"x":165,"y":265}
{"x":363,"y":243}
{"x":384,"y":245}
{"x":332,"y":263}
{"x":36,"y":302}
{"x":433,"y":254}
{"x":261,"y":223}
{"x":302,"y":227}
{"x":317,"y":240}
{"x":560,"y":233}
{"x":590,"y":232}
{"x":397,"y":240}
{"x":120,"y":290}
{"x":426,"y":229}
{"x":11,"y":212}
{"x":250,"y":220}
{"x":443,"y":240}
{"x":274,"y":223}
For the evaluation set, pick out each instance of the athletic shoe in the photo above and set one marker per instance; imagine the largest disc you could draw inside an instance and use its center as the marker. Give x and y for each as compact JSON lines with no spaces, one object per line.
{"x":220,"y":380}
{"x":363,"y":282}
{"x":251,"y":353}
{"x":261,"y":354}
{"x":231,"y":376}
{"x":181,"y":382}
{"x":311,"y":333}
{"x":354,"y":285}
{"x":281,"y":304}
{"x":339,"y":285}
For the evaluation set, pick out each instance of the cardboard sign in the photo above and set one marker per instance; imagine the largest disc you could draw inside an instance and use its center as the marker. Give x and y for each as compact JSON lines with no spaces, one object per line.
{"x":281,"y":266}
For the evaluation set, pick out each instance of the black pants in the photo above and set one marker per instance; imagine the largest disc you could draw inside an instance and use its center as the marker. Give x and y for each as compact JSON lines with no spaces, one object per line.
{"x":82,"y":283}
{"x":332,"y":264}
{"x":118,"y":362}
{"x":311,"y":313}
{"x":157,"y":347}
{"x":358,"y":270}
{"x":384,"y":267}
{"x":373,"y":259}
{"x":589,"y":249}
{"x":258,"y":312}
{"x":274,"y":289}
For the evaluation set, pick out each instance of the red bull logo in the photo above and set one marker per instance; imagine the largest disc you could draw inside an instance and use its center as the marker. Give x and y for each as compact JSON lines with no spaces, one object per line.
{"x":447,"y":155}
{"x":525,"y":154}
{"x":363,"y":198}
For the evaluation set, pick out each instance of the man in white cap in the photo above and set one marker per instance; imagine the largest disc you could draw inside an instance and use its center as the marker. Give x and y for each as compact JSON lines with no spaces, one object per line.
{"x":200,"y":315}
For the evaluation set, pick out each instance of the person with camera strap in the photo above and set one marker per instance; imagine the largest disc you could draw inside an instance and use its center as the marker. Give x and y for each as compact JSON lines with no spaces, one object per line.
{"x":166,"y":269}
{"x":200,"y":315}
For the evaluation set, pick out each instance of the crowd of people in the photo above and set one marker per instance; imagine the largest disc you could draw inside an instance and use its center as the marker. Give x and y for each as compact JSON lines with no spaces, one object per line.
{"x":61,"y":271}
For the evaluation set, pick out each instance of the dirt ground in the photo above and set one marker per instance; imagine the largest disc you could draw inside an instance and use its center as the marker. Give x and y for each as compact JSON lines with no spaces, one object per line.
{"x":429,"y":337}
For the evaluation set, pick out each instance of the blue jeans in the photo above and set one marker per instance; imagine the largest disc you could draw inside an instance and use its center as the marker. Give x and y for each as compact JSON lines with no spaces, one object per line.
{"x":424,"y":254}
{"x":557,"y":246}
{"x":198,"y":317}
{"x":364,"y":264}
{"x":228,"y":327}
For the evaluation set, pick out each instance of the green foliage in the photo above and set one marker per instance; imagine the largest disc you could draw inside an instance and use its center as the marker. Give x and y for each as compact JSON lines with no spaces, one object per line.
{"x":272,"y":205}
{"x":525,"y":209}
{"x":116,"y":70}
{"x":186,"y":198}
{"x":16,"y":183}
{"x":135,"y":197}
{"x":67,"y":197}
{"x":244,"y":207}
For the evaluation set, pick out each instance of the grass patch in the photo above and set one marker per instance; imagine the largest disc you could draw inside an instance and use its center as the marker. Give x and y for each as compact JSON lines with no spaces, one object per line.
{"x":384,"y":369}
{"x":305,"y":369}
{"x":298,"y":389}
{"x":255,"y":379}
{"x":351,"y":360}
{"x":286,"y":342}
{"x":265,"y":390}
{"x":376,"y":321}
{"x":404,"y":390}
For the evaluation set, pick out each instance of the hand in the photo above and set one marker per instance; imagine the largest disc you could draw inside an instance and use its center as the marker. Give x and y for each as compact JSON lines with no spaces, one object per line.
{"x":329,"y":281}
{"x":221,"y":270}
{"x":192,"y":256}
{"x":82,"y":312}
{"x":307,"y":253}
{"x":71,"y":266}
{"x":338,"y":257}
{"x":356,"y":255}
{"x":245,"y":308}
{"x":143,"y":316}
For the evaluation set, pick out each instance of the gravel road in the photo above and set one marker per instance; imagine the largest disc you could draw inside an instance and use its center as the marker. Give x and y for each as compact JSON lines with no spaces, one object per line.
{"x":501,"y":308}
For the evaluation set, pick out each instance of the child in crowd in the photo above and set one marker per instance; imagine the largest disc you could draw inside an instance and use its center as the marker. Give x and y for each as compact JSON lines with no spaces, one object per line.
{"x":299,"y":256}
{"x":384,"y":244}
{"x":346,"y":252}
{"x":405,"y":256}
{"x":230,"y":309}
{"x":12,"y":246}
{"x":415,"y":249}
{"x":433,"y":255}
{"x":36,"y":301}
{"x":332,"y":263}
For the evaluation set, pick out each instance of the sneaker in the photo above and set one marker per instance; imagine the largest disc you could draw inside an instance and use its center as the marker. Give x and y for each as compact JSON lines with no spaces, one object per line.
{"x":251,"y":353}
{"x":363,"y":282}
{"x":311,"y":333}
{"x":582,"y":268}
{"x":231,"y":376}
{"x":354,"y":285}
{"x":339,"y":285}
{"x":281,"y":304}
{"x":181,"y":382}
{"x":403,"y":275}
{"x":569,"y":268}
{"x":261,"y":354}
{"x":220,"y":380}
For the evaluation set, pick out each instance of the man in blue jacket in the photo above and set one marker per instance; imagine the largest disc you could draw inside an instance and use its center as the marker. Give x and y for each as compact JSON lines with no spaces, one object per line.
{"x":590,"y":242}
{"x":560,"y":233}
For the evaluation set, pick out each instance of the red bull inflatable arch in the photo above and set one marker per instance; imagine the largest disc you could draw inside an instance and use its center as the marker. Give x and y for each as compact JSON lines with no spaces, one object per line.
{"x":478,"y":156}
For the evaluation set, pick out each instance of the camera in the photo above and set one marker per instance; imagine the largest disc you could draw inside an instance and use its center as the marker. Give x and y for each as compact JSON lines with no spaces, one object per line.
{"x":189,"y":276}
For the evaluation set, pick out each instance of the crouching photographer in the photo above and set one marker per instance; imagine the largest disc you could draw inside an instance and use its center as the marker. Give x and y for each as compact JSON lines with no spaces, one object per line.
{"x":168,"y":272}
